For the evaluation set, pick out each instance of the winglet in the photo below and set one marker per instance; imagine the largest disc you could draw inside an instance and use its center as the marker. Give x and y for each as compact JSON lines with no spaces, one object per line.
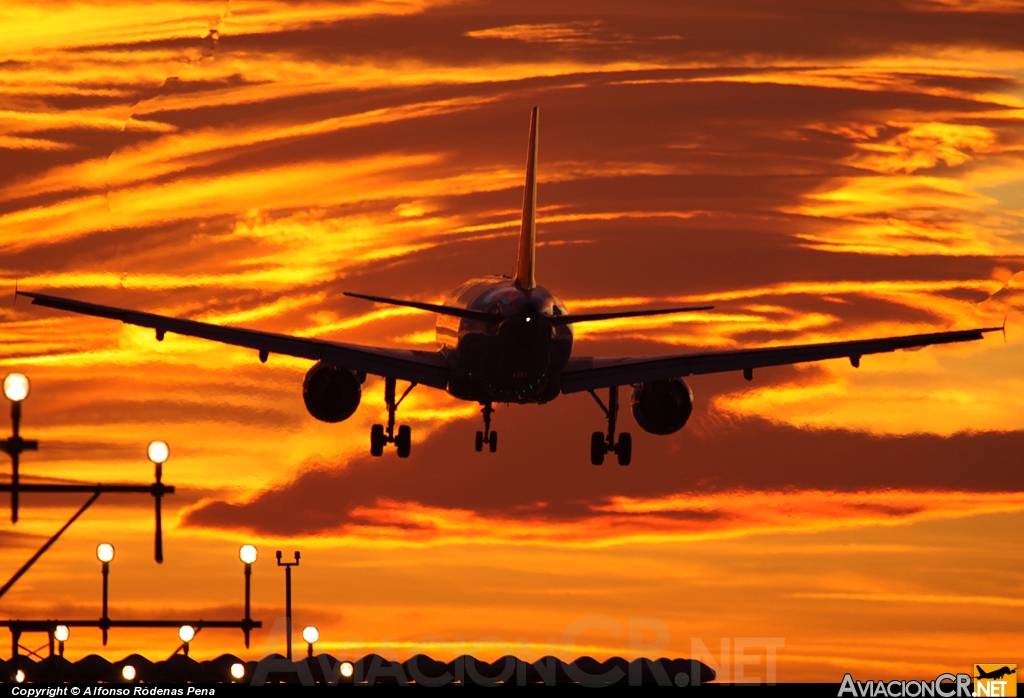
{"x":1004,"y":329}
{"x":16,"y":293}
{"x":525,"y":277}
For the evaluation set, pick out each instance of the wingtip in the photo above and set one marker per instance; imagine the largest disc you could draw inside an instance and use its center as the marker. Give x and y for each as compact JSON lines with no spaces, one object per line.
{"x":983,"y":330}
{"x":19,"y":292}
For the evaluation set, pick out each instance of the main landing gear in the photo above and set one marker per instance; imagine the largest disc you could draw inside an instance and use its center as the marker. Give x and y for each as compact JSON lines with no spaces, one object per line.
{"x":601,"y":444}
{"x":379,"y":437}
{"x":487,"y":436}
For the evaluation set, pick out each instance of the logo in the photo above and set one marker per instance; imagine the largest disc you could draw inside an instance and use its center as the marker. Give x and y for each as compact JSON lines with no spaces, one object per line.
{"x":995,"y":680}
{"x":943,"y":686}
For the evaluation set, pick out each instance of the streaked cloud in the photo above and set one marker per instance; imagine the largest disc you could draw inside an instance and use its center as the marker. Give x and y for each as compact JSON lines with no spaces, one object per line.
{"x":564,"y":33}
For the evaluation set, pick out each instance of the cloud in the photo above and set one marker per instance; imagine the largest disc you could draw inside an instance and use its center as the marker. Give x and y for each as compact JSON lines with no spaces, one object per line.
{"x":714,"y":478}
{"x":556,"y":33}
{"x":817,"y":172}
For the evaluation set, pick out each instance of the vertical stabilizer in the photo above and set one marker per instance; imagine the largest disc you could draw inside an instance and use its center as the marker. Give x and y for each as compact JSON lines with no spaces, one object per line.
{"x":525,"y":278}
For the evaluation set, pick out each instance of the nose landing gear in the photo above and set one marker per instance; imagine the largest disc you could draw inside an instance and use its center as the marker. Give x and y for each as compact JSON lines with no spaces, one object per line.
{"x":379,"y":438}
{"x":487,"y":436}
{"x":600,"y":444}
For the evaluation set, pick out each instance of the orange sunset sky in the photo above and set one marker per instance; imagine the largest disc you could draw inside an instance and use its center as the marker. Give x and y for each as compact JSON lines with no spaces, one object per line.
{"x":817,"y":171}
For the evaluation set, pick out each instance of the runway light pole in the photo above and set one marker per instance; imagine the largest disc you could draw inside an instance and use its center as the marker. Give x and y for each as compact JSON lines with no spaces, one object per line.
{"x":105,"y":553}
{"x":185,"y":634}
{"x":288,"y":596}
{"x":247,"y":554}
{"x":310,"y":634}
{"x":61,"y":633}
{"x":158,"y":452}
{"x":16,"y":388}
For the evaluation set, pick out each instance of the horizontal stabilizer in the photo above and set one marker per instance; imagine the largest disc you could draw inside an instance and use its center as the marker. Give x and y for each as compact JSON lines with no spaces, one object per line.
{"x":430,"y":307}
{"x":557,"y":321}
{"x":570,"y":319}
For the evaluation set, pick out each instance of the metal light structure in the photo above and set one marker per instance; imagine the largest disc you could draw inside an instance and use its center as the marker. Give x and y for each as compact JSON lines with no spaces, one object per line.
{"x":16,"y":389}
{"x":185,"y":634}
{"x":61,"y":633}
{"x":158,"y":452}
{"x":310,"y":634}
{"x":248,"y":555}
{"x":105,"y":553}
{"x":15,"y":445}
{"x":288,"y":596}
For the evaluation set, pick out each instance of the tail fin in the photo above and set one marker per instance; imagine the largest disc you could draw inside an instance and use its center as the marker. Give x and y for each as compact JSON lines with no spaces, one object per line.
{"x":525,"y":277}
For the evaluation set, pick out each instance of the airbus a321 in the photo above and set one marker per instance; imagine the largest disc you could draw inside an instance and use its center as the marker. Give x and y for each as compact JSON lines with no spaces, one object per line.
{"x":506,"y":339}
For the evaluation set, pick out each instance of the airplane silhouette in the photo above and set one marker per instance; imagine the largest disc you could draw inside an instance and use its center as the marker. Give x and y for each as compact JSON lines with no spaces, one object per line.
{"x":506,"y":339}
{"x":996,"y":674}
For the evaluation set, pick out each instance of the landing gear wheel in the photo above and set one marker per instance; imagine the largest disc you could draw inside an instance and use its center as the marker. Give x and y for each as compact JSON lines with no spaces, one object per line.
{"x":625,"y":448}
{"x":487,"y":436}
{"x":601,"y":444}
{"x":597,"y":448}
{"x":377,"y":440}
{"x":403,"y":442}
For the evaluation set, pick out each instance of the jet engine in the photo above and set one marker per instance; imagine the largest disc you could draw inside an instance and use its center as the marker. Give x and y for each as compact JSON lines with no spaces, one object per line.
{"x":332,"y":393}
{"x":662,"y":407}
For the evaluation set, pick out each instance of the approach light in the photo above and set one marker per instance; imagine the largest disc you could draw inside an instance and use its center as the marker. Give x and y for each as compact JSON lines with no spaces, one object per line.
{"x":16,"y":387}
{"x":61,"y":633}
{"x":128,"y":672}
{"x":310,"y":634}
{"x":186,"y":633}
{"x":237,"y":670}
{"x":347,"y":669}
{"x":158,"y":451}
{"x":247,"y":553}
{"x":20,"y":676}
{"x":105,"y":552}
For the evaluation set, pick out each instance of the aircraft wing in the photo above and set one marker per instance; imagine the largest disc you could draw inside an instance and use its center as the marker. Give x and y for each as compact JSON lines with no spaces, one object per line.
{"x":588,"y":373}
{"x":423,"y":367}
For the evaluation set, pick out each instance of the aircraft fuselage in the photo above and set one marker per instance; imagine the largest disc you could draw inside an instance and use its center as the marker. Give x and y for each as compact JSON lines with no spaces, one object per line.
{"x":517,"y":360}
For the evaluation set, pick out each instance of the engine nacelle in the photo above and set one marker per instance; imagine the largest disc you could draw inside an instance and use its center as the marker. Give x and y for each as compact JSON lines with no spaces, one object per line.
{"x":662,"y":407}
{"x":332,"y":393}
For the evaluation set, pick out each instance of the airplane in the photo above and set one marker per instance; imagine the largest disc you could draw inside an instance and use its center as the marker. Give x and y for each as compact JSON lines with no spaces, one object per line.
{"x":507,"y":339}
{"x":997,"y":674}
